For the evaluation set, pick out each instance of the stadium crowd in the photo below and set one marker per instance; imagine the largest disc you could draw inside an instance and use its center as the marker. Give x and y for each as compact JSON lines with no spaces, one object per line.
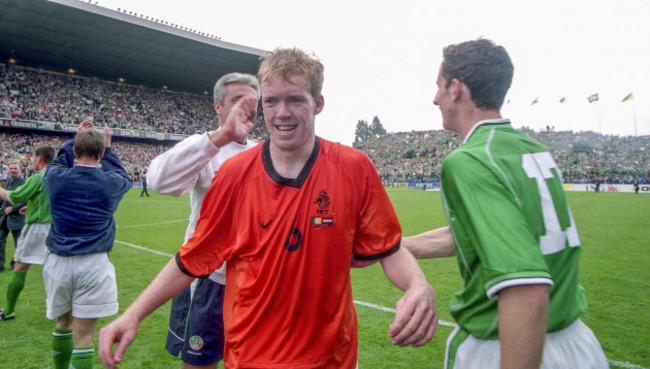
{"x":26,"y":93}
{"x":583,"y":157}
{"x":135,"y":156}
{"x":65,"y":98}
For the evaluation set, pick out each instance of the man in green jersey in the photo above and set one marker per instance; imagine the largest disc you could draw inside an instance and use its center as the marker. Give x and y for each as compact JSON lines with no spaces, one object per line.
{"x":514,"y":235}
{"x":31,"y":243}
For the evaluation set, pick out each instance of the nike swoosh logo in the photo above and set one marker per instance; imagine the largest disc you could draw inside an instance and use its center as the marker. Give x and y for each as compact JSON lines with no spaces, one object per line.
{"x":267,"y":224}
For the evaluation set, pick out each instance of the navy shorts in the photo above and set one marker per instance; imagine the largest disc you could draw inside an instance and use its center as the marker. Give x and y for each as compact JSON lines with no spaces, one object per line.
{"x":196,"y":324}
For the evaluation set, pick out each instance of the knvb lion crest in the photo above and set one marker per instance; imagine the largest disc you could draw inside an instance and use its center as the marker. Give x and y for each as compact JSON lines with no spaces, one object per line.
{"x":323,"y":201}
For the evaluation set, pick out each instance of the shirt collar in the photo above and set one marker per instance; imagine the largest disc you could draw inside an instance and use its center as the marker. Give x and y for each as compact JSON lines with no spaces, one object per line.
{"x":485,"y":122}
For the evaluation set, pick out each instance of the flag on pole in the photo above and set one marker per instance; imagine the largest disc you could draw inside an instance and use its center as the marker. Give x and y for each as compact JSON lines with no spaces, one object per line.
{"x":593,"y":98}
{"x":535,"y":101}
{"x":629,"y":96}
{"x":563,"y":100}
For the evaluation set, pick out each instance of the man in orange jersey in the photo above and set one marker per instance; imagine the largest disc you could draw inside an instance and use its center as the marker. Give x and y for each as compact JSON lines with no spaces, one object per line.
{"x":290,"y":216}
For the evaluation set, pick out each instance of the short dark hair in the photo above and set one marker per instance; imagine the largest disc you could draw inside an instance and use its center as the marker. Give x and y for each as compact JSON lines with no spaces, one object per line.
{"x":89,"y":144}
{"x":45,"y":152}
{"x":483,"y":66}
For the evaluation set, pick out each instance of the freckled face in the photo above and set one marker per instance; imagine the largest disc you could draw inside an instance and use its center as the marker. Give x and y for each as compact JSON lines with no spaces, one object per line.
{"x":290,"y":111}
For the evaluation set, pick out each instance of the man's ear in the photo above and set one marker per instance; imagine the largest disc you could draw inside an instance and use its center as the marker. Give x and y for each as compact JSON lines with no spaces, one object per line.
{"x":456,"y":89}
{"x":217,"y":107}
{"x":320,"y":104}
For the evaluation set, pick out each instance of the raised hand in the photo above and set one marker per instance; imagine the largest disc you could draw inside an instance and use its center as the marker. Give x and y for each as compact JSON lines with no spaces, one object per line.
{"x":238,"y":122}
{"x":107,"y":136}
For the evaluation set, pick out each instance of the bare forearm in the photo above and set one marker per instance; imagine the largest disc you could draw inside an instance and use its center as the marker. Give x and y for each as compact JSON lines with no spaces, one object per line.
{"x":169,"y":282}
{"x":403,"y":270}
{"x":437,"y":243}
{"x":523,"y":315}
{"x":416,"y":315}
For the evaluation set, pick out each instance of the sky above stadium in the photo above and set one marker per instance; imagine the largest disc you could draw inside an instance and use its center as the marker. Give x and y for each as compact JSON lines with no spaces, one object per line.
{"x":381,"y":58}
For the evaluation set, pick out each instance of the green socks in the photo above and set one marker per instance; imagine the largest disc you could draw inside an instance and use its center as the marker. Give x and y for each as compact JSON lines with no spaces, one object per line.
{"x":63,"y":354}
{"x":16,"y":285}
{"x":61,"y":348}
{"x":82,"y":358}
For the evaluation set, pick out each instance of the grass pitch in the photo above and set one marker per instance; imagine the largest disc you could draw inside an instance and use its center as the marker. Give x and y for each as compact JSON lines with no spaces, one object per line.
{"x":614,"y":230}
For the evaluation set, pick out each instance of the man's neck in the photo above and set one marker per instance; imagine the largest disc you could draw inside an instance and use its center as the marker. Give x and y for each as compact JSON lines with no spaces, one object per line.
{"x":87,"y":162}
{"x":289,"y":164}
{"x":475,"y":116}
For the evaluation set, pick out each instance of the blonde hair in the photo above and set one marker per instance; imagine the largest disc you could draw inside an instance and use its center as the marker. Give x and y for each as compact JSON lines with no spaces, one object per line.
{"x":286,"y":63}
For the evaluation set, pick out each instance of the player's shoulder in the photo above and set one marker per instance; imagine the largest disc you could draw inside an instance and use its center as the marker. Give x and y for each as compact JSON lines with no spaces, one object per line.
{"x":243,"y":158}
{"x":344,"y":154}
{"x":461,"y":155}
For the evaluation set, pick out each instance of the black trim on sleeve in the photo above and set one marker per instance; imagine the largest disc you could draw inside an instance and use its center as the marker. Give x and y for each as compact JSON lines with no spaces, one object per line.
{"x":180,"y":265}
{"x":382,"y":255}
{"x":291,"y":182}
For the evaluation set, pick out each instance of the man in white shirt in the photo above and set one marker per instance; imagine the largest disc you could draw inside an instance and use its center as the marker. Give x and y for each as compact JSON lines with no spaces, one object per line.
{"x":196,"y":321}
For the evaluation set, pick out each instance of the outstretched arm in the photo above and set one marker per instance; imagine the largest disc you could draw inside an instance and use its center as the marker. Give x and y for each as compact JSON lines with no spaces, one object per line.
{"x":169,"y":282}
{"x":416,"y":316}
{"x":437,"y":243}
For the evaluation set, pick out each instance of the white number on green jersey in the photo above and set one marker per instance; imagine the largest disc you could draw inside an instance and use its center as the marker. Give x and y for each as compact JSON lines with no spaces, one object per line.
{"x":539,"y":166}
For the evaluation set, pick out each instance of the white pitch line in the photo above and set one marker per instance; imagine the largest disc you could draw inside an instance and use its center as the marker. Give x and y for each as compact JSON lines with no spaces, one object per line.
{"x":390,"y":310}
{"x":158,"y":202}
{"x":618,"y":364}
{"x":144,"y":249}
{"x":153,"y":224}
{"x":625,"y":365}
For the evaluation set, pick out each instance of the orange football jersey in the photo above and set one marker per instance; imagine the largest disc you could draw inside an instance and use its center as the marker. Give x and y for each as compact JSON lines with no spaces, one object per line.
{"x":289,"y":245}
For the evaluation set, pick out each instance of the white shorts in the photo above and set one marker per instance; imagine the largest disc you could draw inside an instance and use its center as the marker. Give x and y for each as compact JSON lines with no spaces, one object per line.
{"x":575,"y":346}
{"x":31,"y":247}
{"x":83,"y":284}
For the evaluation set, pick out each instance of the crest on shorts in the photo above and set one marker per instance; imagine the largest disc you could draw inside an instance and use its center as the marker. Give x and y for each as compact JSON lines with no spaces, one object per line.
{"x":196,"y":343}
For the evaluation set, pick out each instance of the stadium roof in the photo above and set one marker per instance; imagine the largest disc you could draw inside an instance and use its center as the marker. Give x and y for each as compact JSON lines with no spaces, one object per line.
{"x":98,"y":42}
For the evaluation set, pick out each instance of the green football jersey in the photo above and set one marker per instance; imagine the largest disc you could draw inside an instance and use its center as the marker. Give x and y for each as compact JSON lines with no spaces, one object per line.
{"x":32,"y":191}
{"x":505,"y":203}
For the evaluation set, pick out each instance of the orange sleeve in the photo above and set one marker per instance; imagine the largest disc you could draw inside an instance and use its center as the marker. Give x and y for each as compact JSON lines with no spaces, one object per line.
{"x":212,"y":242}
{"x":378,"y":232}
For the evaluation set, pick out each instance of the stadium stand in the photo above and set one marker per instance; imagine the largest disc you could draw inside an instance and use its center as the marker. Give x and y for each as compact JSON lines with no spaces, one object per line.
{"x":38,"y":95}
{"x":583,"y":157}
